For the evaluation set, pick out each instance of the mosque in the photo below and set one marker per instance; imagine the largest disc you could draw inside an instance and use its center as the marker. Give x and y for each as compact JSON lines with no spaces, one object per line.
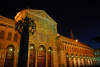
{"x":46,"y":48}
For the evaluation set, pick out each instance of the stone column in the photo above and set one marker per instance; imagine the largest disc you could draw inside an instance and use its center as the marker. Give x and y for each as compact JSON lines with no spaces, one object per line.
{"x":75,"y":62}
{"x":70,"y":62}
{"x":65,"y":60}
{"x":86,"y":62}
{"x":55,"y":58}
{"x":36,"y":59}
{"x":78,"y":61}
{"x":15,"y":58}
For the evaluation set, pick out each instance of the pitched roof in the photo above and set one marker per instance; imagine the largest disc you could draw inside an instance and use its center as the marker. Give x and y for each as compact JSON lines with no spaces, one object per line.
{"x":73,"y":41}
{"x":7,"y":21}
{"x":39,"y":13}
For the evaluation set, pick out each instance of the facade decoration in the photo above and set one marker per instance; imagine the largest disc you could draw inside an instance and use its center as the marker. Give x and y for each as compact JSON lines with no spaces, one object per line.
{"x":46,"y":48}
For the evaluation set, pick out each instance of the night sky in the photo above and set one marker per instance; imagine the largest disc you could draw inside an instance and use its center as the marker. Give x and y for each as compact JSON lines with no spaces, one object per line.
{"x":82,"y":16}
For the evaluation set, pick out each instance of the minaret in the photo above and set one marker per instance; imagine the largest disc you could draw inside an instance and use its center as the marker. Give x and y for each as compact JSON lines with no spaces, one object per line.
{"x":72,"y":36}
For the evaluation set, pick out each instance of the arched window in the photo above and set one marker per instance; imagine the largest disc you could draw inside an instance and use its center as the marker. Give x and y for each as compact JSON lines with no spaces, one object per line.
{"x":67,"y":48}
{"x":9,"y":36}
{"x":2,"y":33}
{"x":48,"y":39}
{"x":15,"y":38}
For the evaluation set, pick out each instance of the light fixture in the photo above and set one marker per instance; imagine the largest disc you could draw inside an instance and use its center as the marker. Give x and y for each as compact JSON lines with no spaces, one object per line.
{"x":31,"y":47}
{"x":41,"y":48}
{"x":72,"y":56}
{"x":49,"y":50}
{"x":57,"y":34}
{"x":11,"y":49}
{"x":76,"y":40}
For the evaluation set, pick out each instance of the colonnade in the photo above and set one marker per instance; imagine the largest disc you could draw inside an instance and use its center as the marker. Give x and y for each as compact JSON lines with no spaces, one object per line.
{"x":79,"y":60}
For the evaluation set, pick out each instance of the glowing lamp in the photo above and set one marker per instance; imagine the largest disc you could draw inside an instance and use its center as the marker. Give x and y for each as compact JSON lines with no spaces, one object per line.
{"x":76,"y":40}
{"x":67,"y":55}
{"x":49,"y":50}
{"x":11,"y":49}
{"x":31,"y":47}
{"x":41,"y":49}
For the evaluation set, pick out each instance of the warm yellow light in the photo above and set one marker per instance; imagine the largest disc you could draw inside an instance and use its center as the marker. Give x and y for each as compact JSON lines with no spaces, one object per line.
{"x":57,"y":34}
{"x":49,"y":50}
{"x":41,"y":49}
{"x":11,"y":49}
{"x":31,"y":47}
{"x":67,"y":55}
{"x":76,"y":40}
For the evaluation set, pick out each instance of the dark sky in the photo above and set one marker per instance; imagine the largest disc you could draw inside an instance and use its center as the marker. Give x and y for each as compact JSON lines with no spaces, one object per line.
{"x":82,"y":16}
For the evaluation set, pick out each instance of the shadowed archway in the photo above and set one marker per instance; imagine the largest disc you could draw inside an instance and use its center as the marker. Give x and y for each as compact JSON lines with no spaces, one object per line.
{"x":32,"y":55}
{"x":49,"y":56}
{"x":72,"y":59}
{"x":41,"y":62}
{"x":67,"y":60}
{"x":9,"y":60}
{"x":76,"y":60}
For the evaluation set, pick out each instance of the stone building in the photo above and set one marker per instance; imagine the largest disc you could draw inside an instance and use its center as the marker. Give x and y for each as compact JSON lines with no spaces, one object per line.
{"x":97,"y":55}
{"x":97,"y":51}
{"x":46,"y":47}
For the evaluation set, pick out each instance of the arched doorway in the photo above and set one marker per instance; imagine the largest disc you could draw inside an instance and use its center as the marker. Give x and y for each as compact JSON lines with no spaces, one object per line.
{"x":80,"y":60}
{"x":9,"y":60}
{"x":49,"y":56}
{"x":76,"y":60}
{"x":67,"y":60}
{"x":32,"y":56}
{"x":41,"y":56}
{"x":84,"y":60}
{"x":72,"y":59}
{"x":89,"y":61}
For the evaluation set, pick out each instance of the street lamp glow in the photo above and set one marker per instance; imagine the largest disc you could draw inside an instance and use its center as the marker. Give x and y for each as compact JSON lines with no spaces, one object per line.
{"x":57,"y":34}
{"x":76,"y":40}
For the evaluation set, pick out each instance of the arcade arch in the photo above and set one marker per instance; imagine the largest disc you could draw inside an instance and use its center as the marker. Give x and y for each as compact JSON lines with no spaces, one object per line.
{"x":67,"y":60}
{"x":41,"y":56}
{"x":9,"y":60}
{"x":32,"y":55}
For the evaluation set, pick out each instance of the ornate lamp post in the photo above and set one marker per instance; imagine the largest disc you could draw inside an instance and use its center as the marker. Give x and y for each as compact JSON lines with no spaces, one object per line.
{"x":25,"y":27}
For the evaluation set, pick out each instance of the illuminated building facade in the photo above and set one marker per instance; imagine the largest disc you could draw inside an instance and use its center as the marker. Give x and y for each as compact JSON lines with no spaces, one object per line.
{"x":46,"y":47}
{"x":97,"y":55}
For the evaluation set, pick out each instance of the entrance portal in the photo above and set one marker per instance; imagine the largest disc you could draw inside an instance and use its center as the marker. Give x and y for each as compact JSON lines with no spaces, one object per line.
{"x":67,"y":60}
{"x":41,"y":56}
{"x":32,"y":56}
{"x":49,"y":57}
{"x":9,"y":60}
